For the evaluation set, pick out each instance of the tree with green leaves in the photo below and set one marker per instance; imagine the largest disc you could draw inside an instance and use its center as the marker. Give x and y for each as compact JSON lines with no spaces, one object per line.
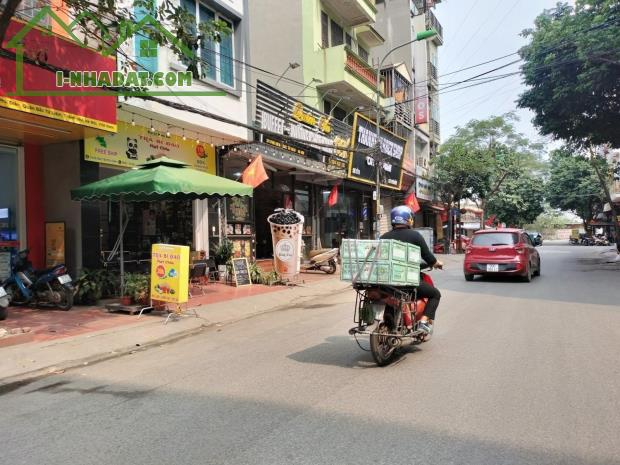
{"x":572,"y":70}
{"x":485,"y":154}
{"x":519,"y":201}
{"x":573,"y":184}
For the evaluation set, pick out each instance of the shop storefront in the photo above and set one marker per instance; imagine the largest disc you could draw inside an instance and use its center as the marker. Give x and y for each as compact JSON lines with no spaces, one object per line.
{"x":191,"y":223}
{"x":40,"y":143}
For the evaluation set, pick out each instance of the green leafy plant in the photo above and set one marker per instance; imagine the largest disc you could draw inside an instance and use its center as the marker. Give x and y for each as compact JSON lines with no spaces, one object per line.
{"x":256,"y":274}
{"x":88,"y":288}
{"x":223,"y":252}
{"x":137,"y":286}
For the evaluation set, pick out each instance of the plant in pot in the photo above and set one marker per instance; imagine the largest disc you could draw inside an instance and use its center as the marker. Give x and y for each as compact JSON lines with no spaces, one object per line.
{"x":222,"y":255}
{"x":137,"y":287}
{"x":88,"y":287}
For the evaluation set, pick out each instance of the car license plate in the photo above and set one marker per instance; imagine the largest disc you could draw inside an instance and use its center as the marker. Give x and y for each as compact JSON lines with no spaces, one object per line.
{"x":493,"y":268}
{"x":2,"y":292}
{"x":64,"y":279}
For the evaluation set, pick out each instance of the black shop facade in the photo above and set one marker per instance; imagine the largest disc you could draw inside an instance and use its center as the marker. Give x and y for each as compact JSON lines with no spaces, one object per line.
{"x":301,"y":175}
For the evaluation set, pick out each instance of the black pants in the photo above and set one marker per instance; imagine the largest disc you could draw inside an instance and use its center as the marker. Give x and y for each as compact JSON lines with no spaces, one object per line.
{"x":425,"y":290}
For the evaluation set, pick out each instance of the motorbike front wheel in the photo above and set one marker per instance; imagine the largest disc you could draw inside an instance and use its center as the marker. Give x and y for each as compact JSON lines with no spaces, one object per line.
{"x":66,"y":296}
{"x":382,"y":351}
{"x":17,"y":298}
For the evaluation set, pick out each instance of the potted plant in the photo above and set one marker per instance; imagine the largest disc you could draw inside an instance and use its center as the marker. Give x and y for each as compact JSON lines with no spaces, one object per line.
{"x":136,"y":289}
{"x":222,"y":255}
{"x":88,"y":287}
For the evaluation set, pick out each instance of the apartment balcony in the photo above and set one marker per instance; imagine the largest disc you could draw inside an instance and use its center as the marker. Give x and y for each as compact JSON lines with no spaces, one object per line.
{"x":353,"y":12}
{"x":432,"y":23}
{"x":344,"y":74}
{"x":432,"y":76}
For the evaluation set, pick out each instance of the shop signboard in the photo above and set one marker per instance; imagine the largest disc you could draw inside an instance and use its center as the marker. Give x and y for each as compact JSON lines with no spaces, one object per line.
{"x":134,"y":145}
{"x":362,"y":163}
{"x":279,"y":113}
{"x":54,"y":243}
{"x":170,"y":273}
{"x":423,"y":189}
{"x":34,"y":90}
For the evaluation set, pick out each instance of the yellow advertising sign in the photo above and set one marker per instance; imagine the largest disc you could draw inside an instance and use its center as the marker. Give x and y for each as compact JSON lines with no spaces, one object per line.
{"x":133,"y":145}
{"x":170,"y":273}
{"x":54,"y":244}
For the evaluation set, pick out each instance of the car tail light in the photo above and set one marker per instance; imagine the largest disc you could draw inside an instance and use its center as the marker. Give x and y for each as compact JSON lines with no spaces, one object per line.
{"x":519,"y":250}
{"x":468,"y":250}
{"x":60,"y":271}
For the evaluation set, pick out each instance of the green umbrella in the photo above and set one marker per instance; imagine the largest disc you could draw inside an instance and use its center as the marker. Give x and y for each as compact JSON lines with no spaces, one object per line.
{"x":159,"y":179}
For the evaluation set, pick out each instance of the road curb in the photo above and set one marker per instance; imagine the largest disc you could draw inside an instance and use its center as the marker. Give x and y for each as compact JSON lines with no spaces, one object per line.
{"x":12,"y":383}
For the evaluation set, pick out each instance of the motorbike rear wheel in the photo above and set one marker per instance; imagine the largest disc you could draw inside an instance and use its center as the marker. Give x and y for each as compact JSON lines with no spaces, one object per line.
{"x":382,"y":352}
{"x":4,"y":312}
{"x":330,"y":268}
{"x":66,"y":296}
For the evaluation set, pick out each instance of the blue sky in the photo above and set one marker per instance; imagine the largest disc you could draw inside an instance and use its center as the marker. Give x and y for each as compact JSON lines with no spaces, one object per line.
{"x":475,"y":31}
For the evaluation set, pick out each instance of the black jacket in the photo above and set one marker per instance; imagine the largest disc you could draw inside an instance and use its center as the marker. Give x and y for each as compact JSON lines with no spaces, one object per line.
{"x":412,"y":237}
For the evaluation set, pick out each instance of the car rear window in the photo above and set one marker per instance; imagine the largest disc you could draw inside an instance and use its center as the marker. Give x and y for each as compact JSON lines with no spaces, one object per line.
{"x":495,"y":239}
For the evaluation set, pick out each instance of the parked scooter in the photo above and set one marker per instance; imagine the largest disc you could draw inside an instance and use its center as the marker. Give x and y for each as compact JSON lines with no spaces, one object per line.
{"x":50,"y":287}
{"x":322,"y":260}
{"x":4,"y":304}
{"x":601,"y":239}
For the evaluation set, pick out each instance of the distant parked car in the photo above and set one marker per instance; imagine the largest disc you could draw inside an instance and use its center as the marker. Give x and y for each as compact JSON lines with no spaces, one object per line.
{"x":502,"y":251}
{"x":536,"y":237}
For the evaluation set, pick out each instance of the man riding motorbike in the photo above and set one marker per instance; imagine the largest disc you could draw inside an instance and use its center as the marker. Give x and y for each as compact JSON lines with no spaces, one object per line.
{"x":402,"y":223}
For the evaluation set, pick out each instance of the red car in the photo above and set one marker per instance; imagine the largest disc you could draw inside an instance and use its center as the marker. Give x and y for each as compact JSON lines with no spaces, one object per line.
{"x":502,"y":251}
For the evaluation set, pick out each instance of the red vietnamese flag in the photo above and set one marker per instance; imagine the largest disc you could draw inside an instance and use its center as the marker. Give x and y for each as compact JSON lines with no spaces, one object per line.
{"x":490,"y":220}
{"x":333,"y":197}
{"x":412,"y":202}
{"x":254,"y":174}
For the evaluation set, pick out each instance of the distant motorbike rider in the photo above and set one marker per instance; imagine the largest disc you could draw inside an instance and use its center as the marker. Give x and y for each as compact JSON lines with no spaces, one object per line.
{"x":402,"y":218}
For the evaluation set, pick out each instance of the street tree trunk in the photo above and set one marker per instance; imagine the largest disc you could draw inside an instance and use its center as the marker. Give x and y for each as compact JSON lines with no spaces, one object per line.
{"x":614,"y":210}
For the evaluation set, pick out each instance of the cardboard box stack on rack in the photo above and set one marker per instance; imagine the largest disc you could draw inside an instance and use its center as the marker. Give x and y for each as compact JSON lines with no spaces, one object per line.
{"x":386,"y":261}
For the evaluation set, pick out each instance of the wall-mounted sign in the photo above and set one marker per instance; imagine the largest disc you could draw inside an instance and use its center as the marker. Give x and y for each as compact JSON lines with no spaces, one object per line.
{"x":423,"y":189}
{"x":421,"y":105}
{"x":362,"y":163}
{"x":279,"y":113}
{"x":54,"y":244}
{"x":238,"y":210}
{"x":170,"y":273}
{"x":133,"y":145}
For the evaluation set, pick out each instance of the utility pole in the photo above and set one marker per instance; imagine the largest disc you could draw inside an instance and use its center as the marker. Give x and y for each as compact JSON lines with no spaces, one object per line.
{"x":377,"y":152}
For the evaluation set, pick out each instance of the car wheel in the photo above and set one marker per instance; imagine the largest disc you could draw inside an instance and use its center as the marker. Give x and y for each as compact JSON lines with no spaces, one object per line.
{"x":528,"y":274}
{"x":537,"y":272}
{"x":469,"y":277}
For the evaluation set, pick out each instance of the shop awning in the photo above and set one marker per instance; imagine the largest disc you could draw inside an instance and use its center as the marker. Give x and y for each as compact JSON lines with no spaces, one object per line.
{"x":161,"y":179}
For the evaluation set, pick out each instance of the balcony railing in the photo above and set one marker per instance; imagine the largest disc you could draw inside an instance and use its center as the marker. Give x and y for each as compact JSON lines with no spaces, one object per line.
{"x":434,"y":128}
{"x":361,"y":69}
{"x":432,"y":73}
{"x":432,"y":23}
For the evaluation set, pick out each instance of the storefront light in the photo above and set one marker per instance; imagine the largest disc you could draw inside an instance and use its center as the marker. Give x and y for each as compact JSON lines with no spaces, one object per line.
{"x":152,"y":127}
{"x":133,"y":121}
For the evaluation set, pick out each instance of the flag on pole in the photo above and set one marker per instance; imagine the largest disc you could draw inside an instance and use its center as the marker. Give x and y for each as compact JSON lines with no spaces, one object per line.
{"x":333,"y":197}
{"x":412,"y":202}
{"x":254,"y":174}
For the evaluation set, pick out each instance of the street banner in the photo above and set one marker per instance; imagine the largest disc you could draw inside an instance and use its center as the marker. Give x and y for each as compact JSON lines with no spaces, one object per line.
{"x":362,"y":163}
{"x":134,"y":145}
{"x":421,"y":104}
{"x":170,"y":273}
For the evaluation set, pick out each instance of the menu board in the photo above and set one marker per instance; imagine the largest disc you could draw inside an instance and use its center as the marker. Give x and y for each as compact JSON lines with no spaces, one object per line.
{"x":54,"y":244}
{"x":241,"y":271}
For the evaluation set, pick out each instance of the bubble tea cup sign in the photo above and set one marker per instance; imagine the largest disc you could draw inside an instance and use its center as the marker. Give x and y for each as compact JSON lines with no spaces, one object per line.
{"x":170,"y":273}
{"x":286,"y":235}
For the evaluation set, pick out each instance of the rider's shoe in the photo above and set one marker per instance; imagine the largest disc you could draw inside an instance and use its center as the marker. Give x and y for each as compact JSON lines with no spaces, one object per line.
{"x":408,"y":332}
{"x":426,"y":327}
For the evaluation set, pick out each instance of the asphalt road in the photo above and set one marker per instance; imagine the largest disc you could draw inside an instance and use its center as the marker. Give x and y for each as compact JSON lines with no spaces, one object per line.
{"x":516,"y":373}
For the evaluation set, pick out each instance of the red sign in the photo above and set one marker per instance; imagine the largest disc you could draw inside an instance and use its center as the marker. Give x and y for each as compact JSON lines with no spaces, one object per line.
{"x":421,"y":110}
{"x":93,"y":111}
